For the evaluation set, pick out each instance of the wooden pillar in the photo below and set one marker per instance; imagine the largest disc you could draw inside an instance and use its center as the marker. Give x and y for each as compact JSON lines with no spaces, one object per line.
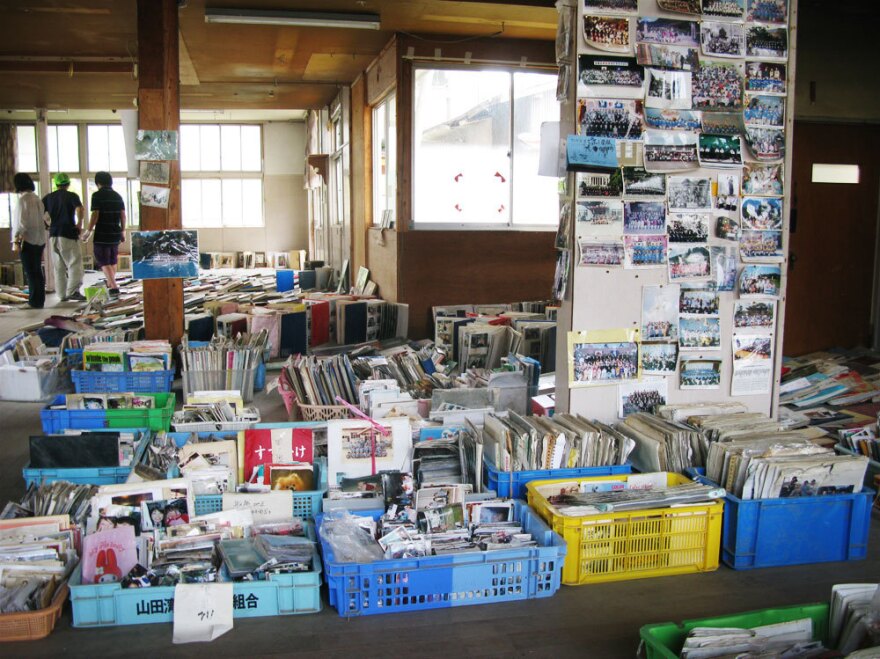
{"x":45,"y":188}
{"x":159,"y":109}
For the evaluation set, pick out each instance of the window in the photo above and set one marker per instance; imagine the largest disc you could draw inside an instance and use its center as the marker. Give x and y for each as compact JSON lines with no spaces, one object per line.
{"x":221,"y":175}
{"x":476,"y":139}
{"x":64,"y":149}
{"x":25,"y":161}
{"x":824,"y":173}
{"x":106,"y":148}
{"x":385,"y":159}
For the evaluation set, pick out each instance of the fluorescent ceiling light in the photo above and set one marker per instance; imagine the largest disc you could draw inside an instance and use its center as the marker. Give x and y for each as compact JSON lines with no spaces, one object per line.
{"x":825,"y":173}
{"x":295,"y":18}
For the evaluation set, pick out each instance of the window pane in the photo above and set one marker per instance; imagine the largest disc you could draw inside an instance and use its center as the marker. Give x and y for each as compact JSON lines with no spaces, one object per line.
{"x":27,"y":148}
{"x":52,"y":134}
{"x":191,"y":202}
{"x":68,"y":149}
{"x":133,"y":203}
{"x":535,"y":198}
{"x":252,"y":202}
{"x":99,"y":152}
{"x":380,"y":162}
{"x":118,"y":161}
{"x":232,"y":203}
{"x":251,"y":149}
{"x":210,"y":149}
{"x":76,"y":186}
{"x":230,"y":148}
{"x":190,"y":146}
{"x":5,"y":210}
{"x":391,"y":177}
{"x":461,"y":162}
{"x":211,"y":202}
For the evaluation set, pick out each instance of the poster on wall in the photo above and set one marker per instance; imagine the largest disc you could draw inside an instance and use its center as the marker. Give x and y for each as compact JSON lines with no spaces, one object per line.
{"x":170,"y":254}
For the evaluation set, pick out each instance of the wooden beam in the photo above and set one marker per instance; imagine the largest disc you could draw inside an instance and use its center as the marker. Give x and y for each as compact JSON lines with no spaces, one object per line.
{"x":159,"y":109}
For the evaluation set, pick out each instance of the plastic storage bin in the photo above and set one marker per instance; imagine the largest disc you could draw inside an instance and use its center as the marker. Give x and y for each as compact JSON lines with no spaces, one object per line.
{"x":106,"y":605}
{"x":238,"y":380}
{"x":635,"y":544}
{"x":158,"y":418}
{"x":664,"y":640}
{"x":438,"y":582}
{"x":33,"y":625}
{"x":512,"y":484}
{"x":774,"y":532}
{"x":93,"y":382}
{"x":27,"y":382}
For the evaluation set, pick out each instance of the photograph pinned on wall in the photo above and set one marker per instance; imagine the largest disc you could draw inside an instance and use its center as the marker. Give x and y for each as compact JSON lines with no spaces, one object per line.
{"x":668,"y":31}
{"x":673,"y":119}
{"x":766,"y":143}
{"x":698,"y":302}
{"x":720,"y":150}
{"x":765,"y":77}
{"x":660,"y":312}
{"x":762,"y":180}
{"x":154,"y":172}
{"x":155,"y":196}
{"x":689,"y":262}
{"x":645,"y":251}
{"x":155,"y":145}
{"x":723,"y":123}
{"x":604,"y":76}
{"x":637,"y":182}
{"x":586,"y":152}
{"x":752,"y":364}
{"x":668,"y":89}
{"x":763,"y":110}
{"x":659,"y":358}
{"x":730,"y":9}
{"x":612,"y":6}
{"x":768,"y":11}
{"x":641,"y":396}
{"x":599,"y":218}
{"x":699,"y":374}
{"x":722,"y":39}
{"x":760,"y":245}
{"x":664,"y":56}
{"x":726,"y":228}
{"x":170,"y":254}
{"x":687,"y":193}
{"x":726,"y":185}
{"x":699,"y":333}
{"x":609,"y":33}
{"x":670,"y":151}
{"x":644,"y":217}
{"x":687,"y":227}
{"x":601,"y":357}
{"x":599,"y":184}
{"x":717,"y":86}
{"x":680,"y":6}
{"x":754,"y":314}
{"x":618,"y":119}
{"x":762,"y":213}
{"x":601,"y":253}
{"x":630,"y":153}
{"x":724,"y":266}
{"x":767,"y":42}
{"x":760,"y":280}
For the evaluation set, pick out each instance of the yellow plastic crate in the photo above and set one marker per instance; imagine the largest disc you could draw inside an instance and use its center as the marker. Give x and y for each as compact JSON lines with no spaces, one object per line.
{"x":637,"y":544}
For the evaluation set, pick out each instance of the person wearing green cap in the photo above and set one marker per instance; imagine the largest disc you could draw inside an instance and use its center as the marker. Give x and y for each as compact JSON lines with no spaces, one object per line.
{"x":65,"y":211}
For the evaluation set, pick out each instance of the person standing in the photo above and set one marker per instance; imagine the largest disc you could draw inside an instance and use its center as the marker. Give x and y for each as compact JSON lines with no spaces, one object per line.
{"x":107,"y":221}
{"x":29,"y":236}
{"x":65,"y":211}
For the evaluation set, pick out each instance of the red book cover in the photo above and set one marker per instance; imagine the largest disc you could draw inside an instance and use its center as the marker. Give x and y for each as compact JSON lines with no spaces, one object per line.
{"x":265,"y":446}
{"x":320,"y":320}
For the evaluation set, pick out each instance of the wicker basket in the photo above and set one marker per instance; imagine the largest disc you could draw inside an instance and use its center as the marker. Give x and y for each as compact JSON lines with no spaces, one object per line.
{"x":320,"y":412}
{"x":33,"y":625}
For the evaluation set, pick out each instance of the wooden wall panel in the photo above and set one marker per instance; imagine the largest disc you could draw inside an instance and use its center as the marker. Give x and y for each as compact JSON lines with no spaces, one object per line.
{"x":383,"y":258}
{"x":381,"y":75}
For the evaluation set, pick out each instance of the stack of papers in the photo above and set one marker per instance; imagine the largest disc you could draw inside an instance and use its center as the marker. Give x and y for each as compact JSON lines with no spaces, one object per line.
{"x":662,"y":445}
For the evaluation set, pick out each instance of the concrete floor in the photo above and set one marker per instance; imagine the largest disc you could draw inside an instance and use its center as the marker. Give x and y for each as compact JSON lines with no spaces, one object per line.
{"x":587,"y":621}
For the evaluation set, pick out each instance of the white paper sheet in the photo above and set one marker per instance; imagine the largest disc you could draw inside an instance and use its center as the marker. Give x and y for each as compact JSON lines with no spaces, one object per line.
{"x":202,"y":611}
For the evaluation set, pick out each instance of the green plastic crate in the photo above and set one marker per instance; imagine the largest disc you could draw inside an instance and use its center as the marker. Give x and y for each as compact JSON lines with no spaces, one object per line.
{"x":158,"y":418}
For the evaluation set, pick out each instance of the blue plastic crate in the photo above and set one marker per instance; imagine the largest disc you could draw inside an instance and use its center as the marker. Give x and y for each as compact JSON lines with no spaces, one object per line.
{"x":157,"y":418}
{"x":95,"y":382}
{"x":107,"y":605}
{"x":439,"y":582}
{"x":512,"y":485}
{"x":793,"y":531}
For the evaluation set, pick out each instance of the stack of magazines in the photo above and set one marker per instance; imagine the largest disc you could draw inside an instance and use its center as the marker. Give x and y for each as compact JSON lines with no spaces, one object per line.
{"x":319,"y":380}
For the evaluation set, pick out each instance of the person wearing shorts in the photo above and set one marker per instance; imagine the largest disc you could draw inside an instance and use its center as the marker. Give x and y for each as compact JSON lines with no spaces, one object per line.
{"x":107,"y":221}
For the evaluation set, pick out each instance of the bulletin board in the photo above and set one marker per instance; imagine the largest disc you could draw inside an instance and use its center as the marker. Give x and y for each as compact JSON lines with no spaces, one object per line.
{"x":742,"y":34}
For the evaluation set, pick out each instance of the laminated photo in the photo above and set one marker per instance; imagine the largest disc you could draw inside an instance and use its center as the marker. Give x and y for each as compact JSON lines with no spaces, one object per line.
{"x":762,"y":180}
{"x":665,"y":119}
{"x":637,"y":182}
{"x":645,"y":251}
{"x":660,"y":312}
{"x":665,"y":56}
{"x":668,"y":31}
{"x":154,"y":172}
{"x":766,"y":111}
{"x":765,"y":77}
{"x":699,"y":374}
{"x":680,"y":6}
{"x":602,"y":357}
{"x":689,"y":262}
{"x":668,"y":89}
{"x":356,"y":448}
{"x":605,"y":254}
{"x":598,"y":184}
{"x":754,"y":315}
{"x":765,"y":42}
{"x":170,"y":254}
{"x":618,"y":119}
{"x":721,"y":39}
{"x":729,"y":9}
{"x":766,"y":143}
{"x":644,"y":217}
{"x":698,"y":302}
{"x":768,"y":11}
{"x":670,"y":151}
{"x":720,"y":150}
{"x":723,"y":123}
{"x":598,"y":218}
{"x":752,"y":365}
{"x":155,"y":196}
{"x":155,"y":145}
{"x":641,"y":396}
{"x":659,"y":358}
{"x":610,"y":33}
{"x":699,"y":333}
{"x":717,"y":86}
{"x":605,"y":76}
{"x":686,"y":193}
{"x":762,"y":213}
{"x":760,"y":280}
{"x":726,"y":228}
{"x":612,"y":6}
{"x":760,"y":245}
{"x":589,"y":151}
{"x":724,"y":266}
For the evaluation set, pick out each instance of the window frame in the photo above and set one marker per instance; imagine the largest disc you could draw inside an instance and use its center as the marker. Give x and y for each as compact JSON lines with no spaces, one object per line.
{"x":388,"y":106}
